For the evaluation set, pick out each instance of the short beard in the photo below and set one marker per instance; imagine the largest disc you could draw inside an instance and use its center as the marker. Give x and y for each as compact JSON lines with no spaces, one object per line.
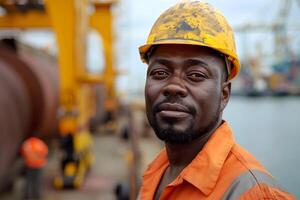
{"x":169,"y":135}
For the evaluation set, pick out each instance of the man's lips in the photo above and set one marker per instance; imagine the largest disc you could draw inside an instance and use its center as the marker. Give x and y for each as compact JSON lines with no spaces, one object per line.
{"x":173,"y":110}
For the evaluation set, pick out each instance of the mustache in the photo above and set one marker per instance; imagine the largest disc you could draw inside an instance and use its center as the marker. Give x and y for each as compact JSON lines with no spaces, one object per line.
{"x":175,"y":100}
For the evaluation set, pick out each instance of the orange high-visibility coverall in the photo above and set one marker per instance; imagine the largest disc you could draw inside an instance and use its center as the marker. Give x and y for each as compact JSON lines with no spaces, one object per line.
{"x":34,"y":152}
{"x":221,"y":170}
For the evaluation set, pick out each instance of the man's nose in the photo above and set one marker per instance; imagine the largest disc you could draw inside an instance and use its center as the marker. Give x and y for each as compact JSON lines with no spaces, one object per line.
{"x":175,"y":87}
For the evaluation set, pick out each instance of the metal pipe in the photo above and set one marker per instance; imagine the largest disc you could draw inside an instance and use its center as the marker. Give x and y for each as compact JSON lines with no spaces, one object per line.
{"x":28,"y":102}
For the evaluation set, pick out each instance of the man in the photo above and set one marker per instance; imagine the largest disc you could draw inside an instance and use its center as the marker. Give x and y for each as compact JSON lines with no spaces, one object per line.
{"x":191,"y":59}
{"x":34,"y":151}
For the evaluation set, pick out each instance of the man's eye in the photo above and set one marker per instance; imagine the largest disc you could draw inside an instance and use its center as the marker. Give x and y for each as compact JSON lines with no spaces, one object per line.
{"x":196,"y":76}
{"x":159,"y":74}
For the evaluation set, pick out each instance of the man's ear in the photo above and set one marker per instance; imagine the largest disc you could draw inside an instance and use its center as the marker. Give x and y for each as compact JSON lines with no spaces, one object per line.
{"x":226,"y":92}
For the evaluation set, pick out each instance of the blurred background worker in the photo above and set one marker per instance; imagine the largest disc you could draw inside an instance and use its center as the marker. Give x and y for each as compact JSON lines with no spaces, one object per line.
{"x":34,"y":152}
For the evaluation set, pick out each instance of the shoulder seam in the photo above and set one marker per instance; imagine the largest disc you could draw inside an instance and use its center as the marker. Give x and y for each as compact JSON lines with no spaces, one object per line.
{"x":238,"y":157}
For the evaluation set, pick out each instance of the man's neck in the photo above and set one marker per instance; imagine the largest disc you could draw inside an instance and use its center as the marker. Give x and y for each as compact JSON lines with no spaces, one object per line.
{"x":181,"y":155}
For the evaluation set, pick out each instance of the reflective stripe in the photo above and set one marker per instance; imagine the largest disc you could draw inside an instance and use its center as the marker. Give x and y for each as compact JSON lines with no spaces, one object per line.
{"x":246,"y":181}
{"x":139,"y":196}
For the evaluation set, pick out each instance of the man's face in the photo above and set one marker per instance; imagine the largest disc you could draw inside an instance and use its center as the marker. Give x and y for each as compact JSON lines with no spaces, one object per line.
{"x":185,"y":92}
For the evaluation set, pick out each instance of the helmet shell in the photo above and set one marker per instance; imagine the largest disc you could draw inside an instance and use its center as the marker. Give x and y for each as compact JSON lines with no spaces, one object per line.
{"x":194,"y":23}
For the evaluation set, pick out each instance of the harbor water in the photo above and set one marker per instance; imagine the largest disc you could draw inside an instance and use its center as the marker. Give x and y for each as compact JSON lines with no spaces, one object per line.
{"x":269,"y":128}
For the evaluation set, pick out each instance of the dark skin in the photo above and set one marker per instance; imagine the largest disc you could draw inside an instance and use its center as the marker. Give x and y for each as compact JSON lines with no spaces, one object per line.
{"x":186,"y":92}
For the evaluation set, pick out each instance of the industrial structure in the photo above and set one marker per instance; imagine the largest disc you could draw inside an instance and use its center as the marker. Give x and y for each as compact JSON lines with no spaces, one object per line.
{"x":285,"y":68}
{"x":53,"y":97}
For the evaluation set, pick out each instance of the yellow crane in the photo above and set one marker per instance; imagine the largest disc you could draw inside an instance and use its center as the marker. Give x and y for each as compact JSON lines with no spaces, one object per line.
{"x":70,"y":20}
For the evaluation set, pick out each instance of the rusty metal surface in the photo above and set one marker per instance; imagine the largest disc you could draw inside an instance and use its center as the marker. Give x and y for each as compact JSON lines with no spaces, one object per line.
{"x":28,"y":102}
{"x":14,"y":116}
{"x":45,"y":93}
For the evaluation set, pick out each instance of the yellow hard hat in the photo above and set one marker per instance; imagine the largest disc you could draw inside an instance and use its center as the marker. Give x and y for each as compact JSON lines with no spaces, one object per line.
{"x":194,"y":23}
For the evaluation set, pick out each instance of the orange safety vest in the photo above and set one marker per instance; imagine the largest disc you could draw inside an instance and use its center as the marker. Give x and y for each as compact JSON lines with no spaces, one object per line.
{"x":34,"y":152}
{"x":222,"y":170}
